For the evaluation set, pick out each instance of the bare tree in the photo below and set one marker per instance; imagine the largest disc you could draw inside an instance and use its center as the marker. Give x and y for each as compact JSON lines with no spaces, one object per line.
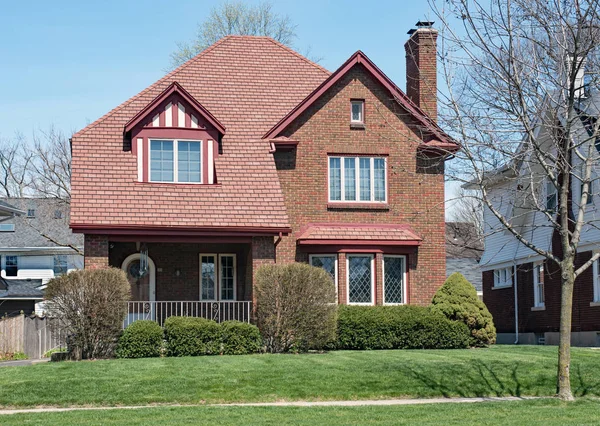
{"x":51,"y":165}
{"x":468,"y":208}
{"x":236,"y":18}
{"x":522,"y":98}
{"x":15,"y":163}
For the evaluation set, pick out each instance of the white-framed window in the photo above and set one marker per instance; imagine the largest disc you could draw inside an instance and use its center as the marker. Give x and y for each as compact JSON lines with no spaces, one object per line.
{"x":538,"y":285}
{"x":551,"y":196}
{"x":177,"y":161}
{"x":329,"y":263}
{"x":11,"y":266}
{"x":61,"y":264}
{"x":596,"y":280}
{"x":503,"y":277}
{"x":357,"y":179}
{"x":357,"y":111}
{"x":218,"y":279}
{"x":7,"y":227}
{"x":360,"y":276}
{"x":394,"y":280}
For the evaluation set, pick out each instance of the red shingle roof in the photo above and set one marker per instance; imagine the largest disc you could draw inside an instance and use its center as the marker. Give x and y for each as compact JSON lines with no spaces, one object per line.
{"x":248,"y":84}
{"x":357,"y":234}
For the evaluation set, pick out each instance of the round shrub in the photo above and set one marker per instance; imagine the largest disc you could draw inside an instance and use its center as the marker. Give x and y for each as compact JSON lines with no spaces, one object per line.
{"x":90,"y":304}
{"x":187,"y":336}
{"x":141,"y":339}
{"x":458,"y":301}
{"x":239,"y":338}
{"x":295,"y":307}
{"x":398,"y":327}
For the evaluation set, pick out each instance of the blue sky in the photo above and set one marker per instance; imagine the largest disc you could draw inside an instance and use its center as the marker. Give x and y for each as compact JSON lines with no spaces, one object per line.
{"x":66,"y":63}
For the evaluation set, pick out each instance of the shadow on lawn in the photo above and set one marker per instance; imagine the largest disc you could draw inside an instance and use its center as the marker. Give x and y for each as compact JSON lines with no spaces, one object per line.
{"x":481,"y":379}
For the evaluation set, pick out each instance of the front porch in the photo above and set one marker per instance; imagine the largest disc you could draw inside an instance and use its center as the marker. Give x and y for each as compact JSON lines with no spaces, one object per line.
{"x":197,"y":277}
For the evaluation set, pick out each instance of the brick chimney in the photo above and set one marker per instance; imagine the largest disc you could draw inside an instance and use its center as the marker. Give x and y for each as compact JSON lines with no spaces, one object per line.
{"x":421,"y":67}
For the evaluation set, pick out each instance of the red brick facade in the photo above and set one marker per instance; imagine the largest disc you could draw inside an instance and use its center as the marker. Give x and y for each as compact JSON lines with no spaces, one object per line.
{"x":96,"y":251}
{"x":415,"y":185}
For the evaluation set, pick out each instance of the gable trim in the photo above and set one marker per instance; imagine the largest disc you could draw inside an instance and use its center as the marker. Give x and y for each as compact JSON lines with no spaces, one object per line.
{"x":360,"y":58}
{"x":174,"y":88}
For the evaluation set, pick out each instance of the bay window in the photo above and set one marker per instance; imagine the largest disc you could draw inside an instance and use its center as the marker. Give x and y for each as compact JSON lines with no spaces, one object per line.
{"x":363,"y":179}
{"x":360,"y":279}
{"x":327,"y":262}
{"x":394,"y":280}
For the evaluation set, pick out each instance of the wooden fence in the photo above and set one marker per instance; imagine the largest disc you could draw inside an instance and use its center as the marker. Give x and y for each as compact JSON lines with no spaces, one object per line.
{"x":33,"y":336}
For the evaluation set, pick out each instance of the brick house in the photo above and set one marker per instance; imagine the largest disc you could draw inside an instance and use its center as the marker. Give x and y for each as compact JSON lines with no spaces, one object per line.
{"x":251,"y":154}
{"x":521,"y":288}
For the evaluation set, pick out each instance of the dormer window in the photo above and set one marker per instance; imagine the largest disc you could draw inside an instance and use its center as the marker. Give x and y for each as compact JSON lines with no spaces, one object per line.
{"x":357,"y":112}
{"x":175,"y":161}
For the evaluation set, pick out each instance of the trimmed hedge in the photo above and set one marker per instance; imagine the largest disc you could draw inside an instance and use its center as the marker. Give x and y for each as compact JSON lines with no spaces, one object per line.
{"x":141,"y":339}
{"x":457,"y":300}
{"x":240,"y":338}
{"x":398,"y":327}
{"x":187,"y":336}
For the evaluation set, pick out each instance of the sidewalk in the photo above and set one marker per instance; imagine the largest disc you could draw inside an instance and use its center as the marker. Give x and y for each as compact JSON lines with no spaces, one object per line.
{"x":281,"y":404}
{"x":23,"y":362}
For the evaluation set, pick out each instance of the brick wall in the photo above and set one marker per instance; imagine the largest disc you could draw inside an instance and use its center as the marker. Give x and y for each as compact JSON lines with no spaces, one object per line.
{"x":263,"y":253}
{"x":96,"y":251}
{"x":421,"y":70}
{"x":415,"y":186}
{"x":500,"y":302}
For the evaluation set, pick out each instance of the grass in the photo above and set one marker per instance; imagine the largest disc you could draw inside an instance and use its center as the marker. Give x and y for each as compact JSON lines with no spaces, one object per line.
{"x":343,"y":375}
{"x":537,"y":412}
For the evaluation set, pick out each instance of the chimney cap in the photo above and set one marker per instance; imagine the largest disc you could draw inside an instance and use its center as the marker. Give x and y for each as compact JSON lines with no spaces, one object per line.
{"x":425,"y":24}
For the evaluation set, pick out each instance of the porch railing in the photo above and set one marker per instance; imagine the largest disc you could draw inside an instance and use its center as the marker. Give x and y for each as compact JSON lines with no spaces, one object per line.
{"x":160,"y":311}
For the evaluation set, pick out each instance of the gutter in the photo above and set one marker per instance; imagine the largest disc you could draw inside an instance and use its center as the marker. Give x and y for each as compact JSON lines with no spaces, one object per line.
{"x":277,"y":241}
{"x":516,"y":307}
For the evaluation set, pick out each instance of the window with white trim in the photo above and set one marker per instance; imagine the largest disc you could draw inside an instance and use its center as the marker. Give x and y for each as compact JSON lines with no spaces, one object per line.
{"x":503,"y":277}
{"x":394,"y":280}
{"x":596,"y":280}
{"x":357,"y":111}
{"x":357,"y":179}
{"x":328,"y":262}
{"x":217,"y":277}
{"x":61,"y":264}
{"x":538,"y":285}
{"x":7,"y":227}
{"x":360,"y":279}
{"x":177,"y":161}
{"x":11,"y":266}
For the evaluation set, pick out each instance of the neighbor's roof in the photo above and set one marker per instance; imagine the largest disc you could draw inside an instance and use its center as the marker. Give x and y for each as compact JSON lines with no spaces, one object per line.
{"x":463,"y":241}
{"x":357,"y":234}
{"x":9,"y":210}
{"x":247,"y":84}
{"x":21,"y":289}
{"x":29,"y":231}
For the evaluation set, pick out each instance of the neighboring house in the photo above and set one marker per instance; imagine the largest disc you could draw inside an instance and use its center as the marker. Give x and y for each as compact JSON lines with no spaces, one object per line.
{"x":35,"y":245}
{"x":251,"y":154}
{"x":18,"y":296}
{"x":464,"y":247}
{"x":515,"y":275}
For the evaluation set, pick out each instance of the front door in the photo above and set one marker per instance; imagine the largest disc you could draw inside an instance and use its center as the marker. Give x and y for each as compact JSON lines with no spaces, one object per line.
{"x":142,"y":289}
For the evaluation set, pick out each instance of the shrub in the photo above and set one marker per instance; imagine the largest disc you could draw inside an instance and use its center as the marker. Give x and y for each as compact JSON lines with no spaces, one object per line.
{"x":295,"y":307}
{"x":141,"y":339}
{"x":398,"y":327}
{"x":458,"y":301}
{"x":91,"y":305}
{"x":187,"y":336}
{"x":239,"y":338}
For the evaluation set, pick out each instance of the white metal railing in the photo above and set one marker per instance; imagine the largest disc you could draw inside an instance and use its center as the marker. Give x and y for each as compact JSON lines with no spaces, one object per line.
{"x":160,"y":311}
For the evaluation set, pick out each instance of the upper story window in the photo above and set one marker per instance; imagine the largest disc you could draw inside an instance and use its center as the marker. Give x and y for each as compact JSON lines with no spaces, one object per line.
{"x":596,"y":281}
{"x":11,"y":266}
{"x":61,"y":265}
{"x":357,"y":179}
{"x":30,"y":212}
{"x":538,"y":285}
{"x":551,"y":196}
{"x":7,"y":227}
{"x":58,"y":214}
{"x":503,"y":277}
{"x":175,"y":161}
{"x":357,"y":114}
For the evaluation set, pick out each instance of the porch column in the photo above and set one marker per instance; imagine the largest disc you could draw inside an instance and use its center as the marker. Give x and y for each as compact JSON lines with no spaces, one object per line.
{"x":342,"y":283}
{"x":379,"y":279}
{"x":95,"y":251}
{"x":263,"y":253}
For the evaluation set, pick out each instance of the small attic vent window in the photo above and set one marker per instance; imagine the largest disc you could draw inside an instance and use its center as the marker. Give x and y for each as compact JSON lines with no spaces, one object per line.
{"x":58,"y":214}
{"x":357,"y":111}
{"x":31,"y":213}
{"x":7,"y":227}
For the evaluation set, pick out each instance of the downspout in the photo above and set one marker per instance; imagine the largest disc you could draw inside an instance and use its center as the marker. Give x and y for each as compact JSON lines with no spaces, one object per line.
{"x":277,"y":241}
{"x":516,"y":306}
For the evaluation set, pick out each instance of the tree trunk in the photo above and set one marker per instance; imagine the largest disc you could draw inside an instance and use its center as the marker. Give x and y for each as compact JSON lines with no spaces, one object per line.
{"x":564,"y":342}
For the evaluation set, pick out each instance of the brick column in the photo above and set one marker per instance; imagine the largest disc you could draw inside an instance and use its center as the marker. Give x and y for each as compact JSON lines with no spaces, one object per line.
{"x":263,"y":253}
{"x":342,"y":284}
{"x":379,"y":279}
{"x":96,"y":251}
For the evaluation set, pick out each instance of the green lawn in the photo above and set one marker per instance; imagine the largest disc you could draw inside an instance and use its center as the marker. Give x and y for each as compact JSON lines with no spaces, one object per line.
{"x":344,"y":375}
{"x":539,"y":412}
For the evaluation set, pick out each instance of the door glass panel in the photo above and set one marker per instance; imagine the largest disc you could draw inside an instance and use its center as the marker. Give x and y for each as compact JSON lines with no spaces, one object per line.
{"x":227,"y":277}
{"x":208,"y":278}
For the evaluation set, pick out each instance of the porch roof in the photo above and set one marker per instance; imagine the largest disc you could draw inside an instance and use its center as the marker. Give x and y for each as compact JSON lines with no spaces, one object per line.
{"x":358,"y":234}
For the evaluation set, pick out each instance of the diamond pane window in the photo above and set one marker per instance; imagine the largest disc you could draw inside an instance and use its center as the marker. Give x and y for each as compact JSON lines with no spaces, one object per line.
{"x":208,"y":279}
{"x":394,"y":270}
{"x":227,"y":277}
{"x":360,"y":279}
{"x":327,"y":262}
